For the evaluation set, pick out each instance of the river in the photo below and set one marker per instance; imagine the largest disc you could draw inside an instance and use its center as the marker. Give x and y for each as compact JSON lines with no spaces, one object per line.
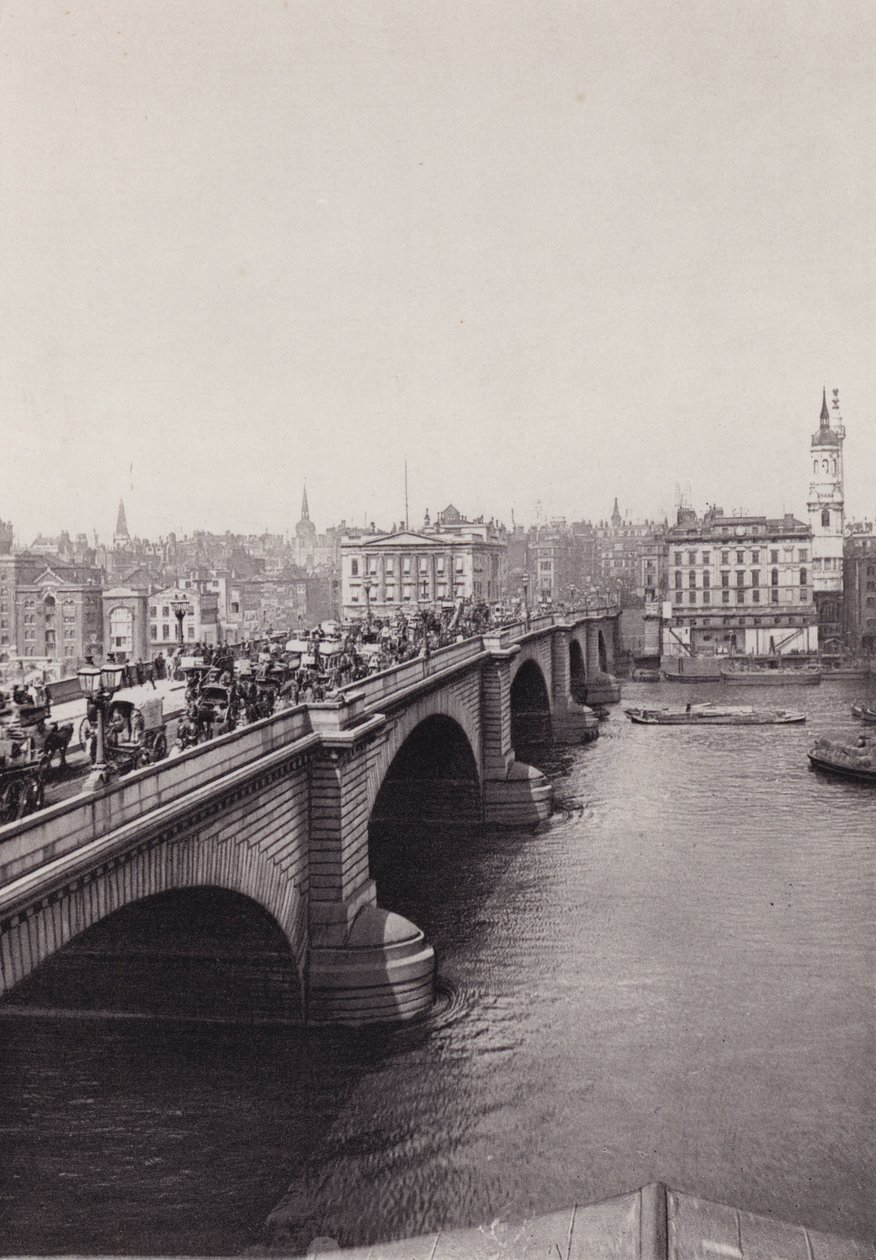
{"x":673,"y":979}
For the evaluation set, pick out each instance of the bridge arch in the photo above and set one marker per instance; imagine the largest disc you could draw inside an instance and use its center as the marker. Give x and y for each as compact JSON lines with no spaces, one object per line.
{"x":433,"y":770}
{"x":193,"y":861}
{"x":577,"y":671}
{"x":530,"y":703}
{"x":602,"y":651}
{"x":198,"y":952}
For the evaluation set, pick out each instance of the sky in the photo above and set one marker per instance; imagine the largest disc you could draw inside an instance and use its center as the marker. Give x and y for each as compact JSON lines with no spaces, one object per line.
{"x":549,"y":252}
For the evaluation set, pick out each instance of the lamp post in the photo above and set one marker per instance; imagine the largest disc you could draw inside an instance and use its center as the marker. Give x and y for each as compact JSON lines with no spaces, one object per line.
{"x":181,"y":608}
{"x":366,"y":585}
{"x":98,"y":685}
{"x":525,"y":581}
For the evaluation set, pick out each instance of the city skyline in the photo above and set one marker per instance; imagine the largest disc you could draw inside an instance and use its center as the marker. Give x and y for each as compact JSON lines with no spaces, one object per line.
{"x":625,"y":251}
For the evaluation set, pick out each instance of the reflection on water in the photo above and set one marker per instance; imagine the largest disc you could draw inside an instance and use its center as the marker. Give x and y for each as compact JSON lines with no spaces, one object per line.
{"x":672,"y":979}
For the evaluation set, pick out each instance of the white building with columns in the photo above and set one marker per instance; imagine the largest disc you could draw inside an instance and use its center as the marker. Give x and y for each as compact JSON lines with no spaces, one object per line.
{"x":409,"y":570}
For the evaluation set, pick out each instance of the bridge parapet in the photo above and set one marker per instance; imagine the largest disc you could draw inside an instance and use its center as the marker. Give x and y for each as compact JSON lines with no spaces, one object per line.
{"x":33,"y":841}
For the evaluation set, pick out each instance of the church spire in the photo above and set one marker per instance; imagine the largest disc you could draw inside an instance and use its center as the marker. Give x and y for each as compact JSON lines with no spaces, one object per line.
{"x":121,"y":535}
{"x":305,"y":511}
{"x":825,"y":414}
{"x":616,"y":517}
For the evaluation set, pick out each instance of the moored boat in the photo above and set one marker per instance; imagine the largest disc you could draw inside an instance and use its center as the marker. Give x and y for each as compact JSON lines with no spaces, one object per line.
{"x":764,"y":676}
{"x":850,"y":761}
{"x":865,"y":713}
{"x":709,"y":714}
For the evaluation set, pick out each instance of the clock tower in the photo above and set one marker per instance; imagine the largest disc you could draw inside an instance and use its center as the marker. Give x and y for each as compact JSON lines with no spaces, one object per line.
{"x":827,"y":521}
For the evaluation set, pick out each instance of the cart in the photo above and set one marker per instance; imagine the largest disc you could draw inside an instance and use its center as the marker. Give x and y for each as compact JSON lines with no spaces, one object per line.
{"x":138,"y":732}
{"x":21,"y":777}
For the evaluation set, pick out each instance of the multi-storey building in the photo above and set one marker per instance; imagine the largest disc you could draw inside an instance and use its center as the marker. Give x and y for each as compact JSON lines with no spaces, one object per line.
{"x":623,"y":548}
{"x":826,"y":509}
{"x":407,"y":571}
{"x":859,"y":588}
{"x":200,"y":623}
{"x":49,"y":611}
{"x":740,"y":584}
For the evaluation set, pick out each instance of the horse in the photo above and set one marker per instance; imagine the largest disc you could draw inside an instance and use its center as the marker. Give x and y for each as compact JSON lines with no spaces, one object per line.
{"x":55,"y":739}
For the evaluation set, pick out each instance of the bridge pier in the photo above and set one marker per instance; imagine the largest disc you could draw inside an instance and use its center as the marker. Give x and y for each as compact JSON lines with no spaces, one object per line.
{"x":365,"y":964}
{"x":572,"y":721}
{"x":515,"y":794}
{"x":602,"y":687}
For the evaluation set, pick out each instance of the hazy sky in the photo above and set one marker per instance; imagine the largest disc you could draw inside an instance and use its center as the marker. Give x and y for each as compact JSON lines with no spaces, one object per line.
{"x":550,"y":251}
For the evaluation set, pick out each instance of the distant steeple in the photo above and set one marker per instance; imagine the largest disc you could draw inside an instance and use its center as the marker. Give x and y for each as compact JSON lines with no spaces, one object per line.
{"x":305,"y":511}
{"x":616,"y":518}
{"x":825,"y":414}
{"x":121,"y":535}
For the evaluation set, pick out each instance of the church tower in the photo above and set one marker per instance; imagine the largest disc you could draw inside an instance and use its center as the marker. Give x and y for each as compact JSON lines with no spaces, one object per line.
{"x":826,"y":508}
{"x":121,"y":538}
{"x":305,"y":536}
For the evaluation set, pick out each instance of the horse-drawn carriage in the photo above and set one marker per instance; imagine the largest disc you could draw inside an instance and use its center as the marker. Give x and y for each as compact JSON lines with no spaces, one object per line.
{"x":22,"y":767}
{"x":22,"y":759}
{"x":137,"y":731}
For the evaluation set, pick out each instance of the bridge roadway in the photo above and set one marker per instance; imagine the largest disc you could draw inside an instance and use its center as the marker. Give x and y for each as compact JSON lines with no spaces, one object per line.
{"x":279,"y":812}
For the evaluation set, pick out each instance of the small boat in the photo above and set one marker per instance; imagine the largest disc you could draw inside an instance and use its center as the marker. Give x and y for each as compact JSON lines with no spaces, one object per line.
{"x":747,"y":676}
{"x":709,"y":714}
{"x":865,"y":713}
{"x":690,"y":669}
{"x":640,"y":674}
{"x":849,"y":761}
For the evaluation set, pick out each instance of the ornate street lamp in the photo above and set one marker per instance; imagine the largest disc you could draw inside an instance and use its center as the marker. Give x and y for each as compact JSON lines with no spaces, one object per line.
{"x":98,"y":685}
{"x":366,"y":585}
{"x":181,"y":608}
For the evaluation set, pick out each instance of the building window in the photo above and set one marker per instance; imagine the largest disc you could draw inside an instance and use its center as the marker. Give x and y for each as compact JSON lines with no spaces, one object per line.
{"x":707,"y":597}
{"x":825,"y":517}
{"x":677,"y":579}
{"x":755,"y":596}
{"x":740,"y":577}
{"x":406,"y":564}
{"x":388,"y":565}
{"x":191,"y":632}
{"x":707,"y":557}
{"x":803,"y":555}
{"x":354,"y":570}
{"x":68,"y":649}
{"x":725,"y":597}
{"x":707,"y":580}
{"x":774,"y":595}
{"x":725,"y":577}
{"x":755,"y":577}
{"x":725,"y":557}
{"x":803,"y":578}
{"x":740,"y":557}
{"x":678,"y":557}
{"x":691,"y":557}
{"x":774,"y":557}
{"x":755,"y":557}
{"x":153,"y":632}
{"x":165,"y":632}
{"x":740,"y":596}
{"x":774,"y":577}
{"x":692,"y":598}
{"x":804,"y":596}
{"x":692,"y":579}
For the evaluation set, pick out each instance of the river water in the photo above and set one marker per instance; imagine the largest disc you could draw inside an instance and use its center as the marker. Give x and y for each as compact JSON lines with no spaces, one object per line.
{"x":672,"y":980}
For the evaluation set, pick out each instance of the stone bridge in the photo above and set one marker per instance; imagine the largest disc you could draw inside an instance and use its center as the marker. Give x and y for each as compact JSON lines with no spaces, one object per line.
{"x":280,"y":813}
